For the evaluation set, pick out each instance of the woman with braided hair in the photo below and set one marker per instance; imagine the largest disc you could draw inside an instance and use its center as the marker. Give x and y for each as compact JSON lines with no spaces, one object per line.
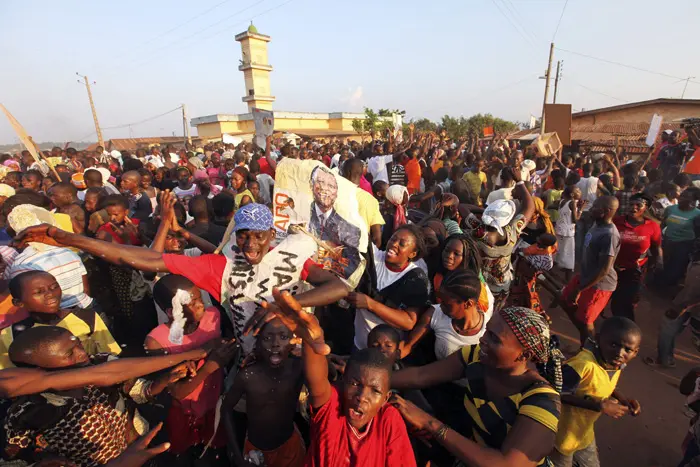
{"x":461,"y":252}
{"x":511,"y":404}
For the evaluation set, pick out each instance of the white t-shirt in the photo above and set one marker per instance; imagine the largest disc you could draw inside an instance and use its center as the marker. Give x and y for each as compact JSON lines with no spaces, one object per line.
{"x":447,"y":340}
{"x":589,"y":190}
{"x":365,"y":320}
{"x":335,"y":160}
{"x":266,"y":182}
{"x":377,"y":167}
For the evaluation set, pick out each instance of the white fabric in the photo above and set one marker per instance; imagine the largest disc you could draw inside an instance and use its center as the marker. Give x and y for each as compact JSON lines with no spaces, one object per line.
{"x":503,"y":193}
{"x":266,"y":182}
{"x":566,"y":253}
{"x":377,"y":167}
{"x":243,"y":285}
{"x":589,"y":190}
{"x":564,"y":226}
{"x":498,"y":214}
{"x":335,"y":160}
{"x":365,"y":320}
{"x":447,"y":340}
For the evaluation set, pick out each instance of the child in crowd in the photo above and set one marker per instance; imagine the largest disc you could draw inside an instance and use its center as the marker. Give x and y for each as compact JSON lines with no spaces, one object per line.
{"x":84,"y":425}
{"x":590,"y":380}
{"x":37,"y":294}
{"x":191,"y":326}
{"x":270,"y":388}
{"x":570,"y":208}
{"x":352,"y":424}
{"x":185,"y":189}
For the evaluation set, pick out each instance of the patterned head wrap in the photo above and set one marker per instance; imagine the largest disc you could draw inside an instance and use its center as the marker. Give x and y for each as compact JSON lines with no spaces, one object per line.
{"x":532,"y":331}
{"x":446,"y":207}
{"x":395,"y":194}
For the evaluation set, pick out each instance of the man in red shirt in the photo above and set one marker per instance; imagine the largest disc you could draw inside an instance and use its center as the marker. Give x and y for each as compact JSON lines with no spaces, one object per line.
{"x":352,"y":425}
{"x":639,"y":237}
{"x":267,"y":163}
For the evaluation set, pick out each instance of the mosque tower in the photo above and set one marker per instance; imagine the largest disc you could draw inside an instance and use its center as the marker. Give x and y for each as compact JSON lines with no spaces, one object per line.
{"x":256,"y":70}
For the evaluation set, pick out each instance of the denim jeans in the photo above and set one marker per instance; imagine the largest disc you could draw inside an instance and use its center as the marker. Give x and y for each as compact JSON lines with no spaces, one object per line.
{"x":586,"y":457}
{"x":670,"y":329}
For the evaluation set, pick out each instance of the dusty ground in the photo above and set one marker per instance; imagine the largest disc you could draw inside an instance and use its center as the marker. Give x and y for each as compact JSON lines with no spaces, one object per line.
{"x":654,"y":437}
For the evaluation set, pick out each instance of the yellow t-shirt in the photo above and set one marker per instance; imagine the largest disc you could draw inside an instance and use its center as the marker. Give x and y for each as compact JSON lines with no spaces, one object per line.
{"x":368,"y":206}
{"x":576,"y":424}
{"x":475,"y":181}
{"x":100,"y":341}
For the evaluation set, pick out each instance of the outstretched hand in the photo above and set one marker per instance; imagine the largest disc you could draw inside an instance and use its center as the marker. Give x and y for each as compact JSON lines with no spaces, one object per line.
{"x":138,"y":453}
{"x":291,"y":313}
{"x":42,"y":233}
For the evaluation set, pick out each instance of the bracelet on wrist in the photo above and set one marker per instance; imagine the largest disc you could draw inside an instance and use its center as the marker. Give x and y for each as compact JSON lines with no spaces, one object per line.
{"x":441,"y":432}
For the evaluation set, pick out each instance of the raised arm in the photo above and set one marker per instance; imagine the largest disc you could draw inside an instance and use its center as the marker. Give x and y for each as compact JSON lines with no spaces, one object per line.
{"x":139,"y":258}
{"x":527,"y":208}
{"x":418,"y":377}
{"x":15,"y":382}
{"x":268,"y":149}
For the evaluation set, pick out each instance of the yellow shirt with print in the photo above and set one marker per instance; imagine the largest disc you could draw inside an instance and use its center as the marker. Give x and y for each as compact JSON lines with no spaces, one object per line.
{"x":576,"y":425}
{"x":98,"y":341}
{"x":368,"y":206}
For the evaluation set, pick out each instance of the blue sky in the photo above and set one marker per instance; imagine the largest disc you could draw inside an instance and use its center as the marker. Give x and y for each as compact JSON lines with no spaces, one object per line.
{"x":458,"y":57}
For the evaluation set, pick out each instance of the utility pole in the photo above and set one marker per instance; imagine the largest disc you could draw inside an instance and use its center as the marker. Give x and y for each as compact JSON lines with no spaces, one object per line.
{"x":185,"y":126}
{"x":556,"y":82}
{"x":686,"y":85}
{"x":94,"y":112}
{"x":546,"y":84}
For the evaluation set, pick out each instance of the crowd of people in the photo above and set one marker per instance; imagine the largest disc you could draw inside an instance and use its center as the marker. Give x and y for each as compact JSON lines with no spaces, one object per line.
{"x":127,"y":338}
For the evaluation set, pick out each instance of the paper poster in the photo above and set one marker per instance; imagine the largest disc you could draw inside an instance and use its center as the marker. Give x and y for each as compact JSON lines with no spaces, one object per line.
{"x":264,"y":125}
{"x":398,"y":127}
{"x":488,"y":131}
{"x":312,"y":199}
{"x":654,"y":129}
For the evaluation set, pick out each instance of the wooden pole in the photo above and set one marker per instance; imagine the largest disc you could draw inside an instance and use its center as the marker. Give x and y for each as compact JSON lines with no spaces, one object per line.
{"x":94,"y":112}
{"x":27,"y":140}
{"x":546,"y":84}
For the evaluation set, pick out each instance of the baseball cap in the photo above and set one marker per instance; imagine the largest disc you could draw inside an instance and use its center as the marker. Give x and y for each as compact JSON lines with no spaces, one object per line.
{"x":253,"y":216}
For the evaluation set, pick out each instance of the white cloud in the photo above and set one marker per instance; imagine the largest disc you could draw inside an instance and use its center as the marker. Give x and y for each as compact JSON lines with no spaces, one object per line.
{"x":354,"y":97}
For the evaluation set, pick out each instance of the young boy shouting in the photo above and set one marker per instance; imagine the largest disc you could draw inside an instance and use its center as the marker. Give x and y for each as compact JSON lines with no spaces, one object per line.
{"x":353,"y":424}
{"x":271,"y":387}
{"x":590,"y":379}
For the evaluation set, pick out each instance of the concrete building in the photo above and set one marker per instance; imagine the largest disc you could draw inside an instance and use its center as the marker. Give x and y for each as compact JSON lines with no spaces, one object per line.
{"x":256,"y":71}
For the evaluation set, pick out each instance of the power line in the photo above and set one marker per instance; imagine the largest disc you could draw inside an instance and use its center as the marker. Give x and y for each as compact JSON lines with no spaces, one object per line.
{"x":598,"y":92}
{"x":177,"y":41}
{"x":173,"y":28}
{"x":559,"y":22}
{"x":126,"y":125}
{"x":518,"y":17}
{"x":666,"y":75}
{"x":512,"y":23}
{"x":226,"y":29}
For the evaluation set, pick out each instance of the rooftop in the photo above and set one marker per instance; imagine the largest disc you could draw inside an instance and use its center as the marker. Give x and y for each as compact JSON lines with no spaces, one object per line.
{"x":637,"y":104}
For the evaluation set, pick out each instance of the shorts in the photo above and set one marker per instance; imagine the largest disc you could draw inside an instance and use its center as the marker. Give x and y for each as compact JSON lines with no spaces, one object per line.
{"x":290,"y":454}
{"x":591,"y":303}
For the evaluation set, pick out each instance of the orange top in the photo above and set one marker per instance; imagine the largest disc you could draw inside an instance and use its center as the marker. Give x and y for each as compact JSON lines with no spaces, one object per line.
{"x":413,"y":173}
{"x":693,"y":165}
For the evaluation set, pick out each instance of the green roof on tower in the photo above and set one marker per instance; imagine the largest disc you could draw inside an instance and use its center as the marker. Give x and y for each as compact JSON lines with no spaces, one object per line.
{"x":252,"y":28}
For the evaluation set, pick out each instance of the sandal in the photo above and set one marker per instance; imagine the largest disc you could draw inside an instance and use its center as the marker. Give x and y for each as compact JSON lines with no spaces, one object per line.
{"x":653,"y":362}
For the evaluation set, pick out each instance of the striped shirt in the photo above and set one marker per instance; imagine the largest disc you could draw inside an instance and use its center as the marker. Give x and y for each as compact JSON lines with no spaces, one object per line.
{"x":63,"y":264}
{"x":492,"y":419}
